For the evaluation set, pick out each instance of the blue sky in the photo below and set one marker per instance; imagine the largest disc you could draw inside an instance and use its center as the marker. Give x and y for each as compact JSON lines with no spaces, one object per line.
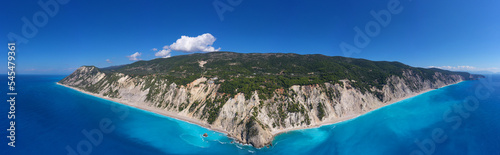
{"x":456,"y":35}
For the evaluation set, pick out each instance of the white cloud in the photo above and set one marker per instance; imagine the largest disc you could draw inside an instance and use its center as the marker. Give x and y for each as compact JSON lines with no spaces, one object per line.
{"x":201,"y":43}
{"x":109,"y":61}
{"x":154,"y":49}
{"x":134,"y":57}
{"x":466,"y":68}
{"x":455,"y":68}
{"x":165,"y":53}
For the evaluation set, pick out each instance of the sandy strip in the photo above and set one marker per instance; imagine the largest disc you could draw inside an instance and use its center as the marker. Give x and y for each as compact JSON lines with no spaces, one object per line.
{"x":350,"y":117}
{"x":153,"y":110}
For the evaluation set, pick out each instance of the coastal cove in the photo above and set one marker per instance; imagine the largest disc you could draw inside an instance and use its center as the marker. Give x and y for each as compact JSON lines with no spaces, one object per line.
{"x":390,"y":129}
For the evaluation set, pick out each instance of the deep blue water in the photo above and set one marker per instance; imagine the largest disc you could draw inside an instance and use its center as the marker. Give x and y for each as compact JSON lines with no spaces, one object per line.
{"x":51,"y":119}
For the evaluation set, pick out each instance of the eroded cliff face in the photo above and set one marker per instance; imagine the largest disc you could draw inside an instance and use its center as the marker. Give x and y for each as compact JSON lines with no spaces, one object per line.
{"x":254,"y":120}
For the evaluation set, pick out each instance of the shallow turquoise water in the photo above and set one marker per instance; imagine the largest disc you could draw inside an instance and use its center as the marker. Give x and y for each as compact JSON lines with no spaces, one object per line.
{"x":51,"y":119}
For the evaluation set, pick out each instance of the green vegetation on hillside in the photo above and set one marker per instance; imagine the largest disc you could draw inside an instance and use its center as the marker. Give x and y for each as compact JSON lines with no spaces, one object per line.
{"x":245,"y":73}
{"x":321,"y":111}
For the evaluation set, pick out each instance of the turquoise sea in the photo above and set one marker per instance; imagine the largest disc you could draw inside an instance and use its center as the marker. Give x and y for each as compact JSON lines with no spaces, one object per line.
{"x":50,"y":119}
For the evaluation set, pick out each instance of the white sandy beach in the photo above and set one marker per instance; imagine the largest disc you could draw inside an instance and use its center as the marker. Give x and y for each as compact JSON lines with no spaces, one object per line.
{"x":329,"y":122}
{"x":346,"y":118}
{"x":153,"y":110}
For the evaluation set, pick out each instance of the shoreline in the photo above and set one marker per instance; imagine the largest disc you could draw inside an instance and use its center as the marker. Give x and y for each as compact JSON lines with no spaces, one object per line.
{"x":152,"y":110}
{"x":273,"y":133}
{"x":351,"y":117}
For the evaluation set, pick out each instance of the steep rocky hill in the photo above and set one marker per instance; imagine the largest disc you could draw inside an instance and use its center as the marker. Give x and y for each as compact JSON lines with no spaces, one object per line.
{"x":254,"y":96}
